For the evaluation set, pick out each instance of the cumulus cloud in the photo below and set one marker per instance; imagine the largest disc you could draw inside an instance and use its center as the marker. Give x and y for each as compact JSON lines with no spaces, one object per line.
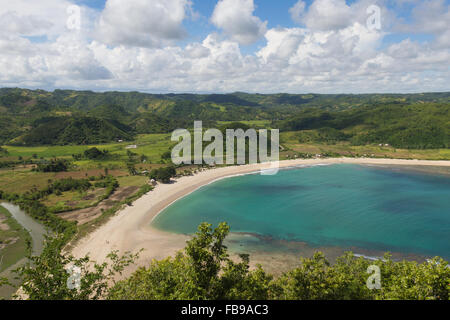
{"x":316,"y":56}
{"x":432,"y":16}
{"x":323,"y":14}
{"x":429,"y":17}
{"x":142,"y":23}
{"x":236,"y":19}
{"x":12,"y":23}
{"x":326,"y":15}
{"x":68,"y":60}
{"x":33,"y":18}
{"x":297,"y":11}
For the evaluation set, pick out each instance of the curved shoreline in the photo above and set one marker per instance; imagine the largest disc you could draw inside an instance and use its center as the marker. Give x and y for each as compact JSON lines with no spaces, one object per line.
{"x":130,"y":229}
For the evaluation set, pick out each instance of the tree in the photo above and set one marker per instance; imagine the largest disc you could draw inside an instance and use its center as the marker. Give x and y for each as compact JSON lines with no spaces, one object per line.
{"x":143,"y":158}
{"x":94,"y":153}
{"x":205,"y":271}
{"x":316,"y":279}
{"x":202,"y":271}
{"x":77,"y":156}
{"x":131,"y":169}
{"x":55,"y":165}
{"x":166,"y":155}
{"x":163,"y":174}
{"x":48,"y":276}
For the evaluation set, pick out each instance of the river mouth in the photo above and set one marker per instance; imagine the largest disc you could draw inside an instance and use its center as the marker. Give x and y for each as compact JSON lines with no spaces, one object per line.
{"x":344,"y":207}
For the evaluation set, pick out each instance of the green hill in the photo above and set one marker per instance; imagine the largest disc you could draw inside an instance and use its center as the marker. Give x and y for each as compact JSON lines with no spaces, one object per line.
{"x":33,"y":117}
{"x":68,"y":130}
{"x":417,"y":126}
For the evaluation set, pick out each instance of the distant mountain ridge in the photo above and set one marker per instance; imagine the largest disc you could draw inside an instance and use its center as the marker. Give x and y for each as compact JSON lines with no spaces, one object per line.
{"x":133,"y":101}
{"x":34,"y":117}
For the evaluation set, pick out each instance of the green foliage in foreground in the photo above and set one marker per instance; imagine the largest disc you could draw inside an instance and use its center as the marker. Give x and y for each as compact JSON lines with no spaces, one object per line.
{"x":205,"y":271}
{"x":48,"y":276}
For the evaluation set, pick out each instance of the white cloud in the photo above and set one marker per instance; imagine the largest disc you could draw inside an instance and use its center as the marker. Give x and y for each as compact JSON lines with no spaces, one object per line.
{"x":327,"y":15}
{"x":196,"y":51}
{"x":317,"y":56}
{"x":12,"y":23}
{"x":142,"y":23}
{"x":432,"y":16}
{"x":66,"y":60}
{"x":236,"y":19}
{"x":323,"y":14}
{"x":443,"y":39}
{"x":281,"y":44}
{"x":297,"y":11}
{"x":33,"y":18}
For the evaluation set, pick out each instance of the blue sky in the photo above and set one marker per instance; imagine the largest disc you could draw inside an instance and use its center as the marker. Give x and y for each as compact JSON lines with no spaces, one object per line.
{"x":297,"y":46}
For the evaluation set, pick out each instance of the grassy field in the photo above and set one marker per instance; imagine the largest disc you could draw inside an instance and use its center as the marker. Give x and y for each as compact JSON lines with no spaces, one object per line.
{"x":289,"y":140}
{"x":21,"y":180}
{"x":132,"y":181}
{"x":73,"y":199}
{"x":13,"y":240}
{"x":150,"y":145}
{"x":154,"y":145}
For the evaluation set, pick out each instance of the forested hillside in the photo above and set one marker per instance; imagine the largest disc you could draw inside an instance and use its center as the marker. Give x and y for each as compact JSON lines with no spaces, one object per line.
{"x":418,"y":126}
{"x":38,"y":117}
{"x":74,"y":130}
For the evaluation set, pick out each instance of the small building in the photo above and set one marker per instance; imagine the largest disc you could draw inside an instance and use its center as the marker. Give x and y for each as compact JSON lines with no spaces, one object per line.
{"x":131,"y":146}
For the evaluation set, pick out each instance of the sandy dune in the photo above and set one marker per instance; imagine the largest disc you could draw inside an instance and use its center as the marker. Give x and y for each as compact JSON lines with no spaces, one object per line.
{"x":130,"y":229}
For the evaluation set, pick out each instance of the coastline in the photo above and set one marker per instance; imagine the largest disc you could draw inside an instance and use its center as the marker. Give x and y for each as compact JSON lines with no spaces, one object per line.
{"x":130,"y":229}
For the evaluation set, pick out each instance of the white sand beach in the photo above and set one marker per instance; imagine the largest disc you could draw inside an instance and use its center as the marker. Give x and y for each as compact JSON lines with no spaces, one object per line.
{"x":130,"y":230}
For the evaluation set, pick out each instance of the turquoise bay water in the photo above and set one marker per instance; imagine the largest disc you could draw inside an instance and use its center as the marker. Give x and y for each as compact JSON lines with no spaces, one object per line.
{"x":339,"y":205}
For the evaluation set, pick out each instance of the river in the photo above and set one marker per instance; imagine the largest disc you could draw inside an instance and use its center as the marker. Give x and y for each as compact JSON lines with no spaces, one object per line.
{"x":37,"y":233}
